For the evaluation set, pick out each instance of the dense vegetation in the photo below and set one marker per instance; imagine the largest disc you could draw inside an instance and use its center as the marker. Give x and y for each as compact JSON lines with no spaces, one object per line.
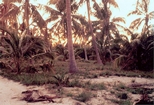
{"x":31,"y":50}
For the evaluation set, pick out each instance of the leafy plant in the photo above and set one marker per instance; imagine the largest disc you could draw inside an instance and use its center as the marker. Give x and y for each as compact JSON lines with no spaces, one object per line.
{"x":75,"y":82}
{"x":120,"y":86}
{"x":84,"y":96}
{"x":139,"y":54}
{"x":97,"y":86}
{"x":62,"y":53}
{"x":22,"y":52}
{"x":61,"y":79}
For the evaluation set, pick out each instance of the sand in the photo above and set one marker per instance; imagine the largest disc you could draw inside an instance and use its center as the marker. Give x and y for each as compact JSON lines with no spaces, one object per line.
{"x":11,"y":92}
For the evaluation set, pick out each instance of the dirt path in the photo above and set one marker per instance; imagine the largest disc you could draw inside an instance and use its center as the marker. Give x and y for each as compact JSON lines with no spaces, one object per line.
{"x":10,"y":91}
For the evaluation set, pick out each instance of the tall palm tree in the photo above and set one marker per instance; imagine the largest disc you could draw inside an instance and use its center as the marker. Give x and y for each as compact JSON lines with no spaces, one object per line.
{"x":108,"y":27}
{"x":72,"y":63}
{"x":99,"y":61}
{"x":103,"y":13}
{"x":62,"y":18}
{"x":142,"y":9}
{"x":58,"y":17}
{"x":91,"y":30}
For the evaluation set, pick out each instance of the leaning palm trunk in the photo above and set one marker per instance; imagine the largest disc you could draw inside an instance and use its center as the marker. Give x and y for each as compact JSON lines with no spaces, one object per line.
{"x":85,"y":52}
{"x":72,"y":62}
{"x":99,"y":61}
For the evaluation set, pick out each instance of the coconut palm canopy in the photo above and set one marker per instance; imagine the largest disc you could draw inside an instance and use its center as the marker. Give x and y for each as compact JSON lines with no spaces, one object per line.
{"x":54,"y":18}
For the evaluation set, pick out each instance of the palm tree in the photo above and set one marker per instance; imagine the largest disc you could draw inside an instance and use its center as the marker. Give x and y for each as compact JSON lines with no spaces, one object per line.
{"x":26,"y":10}
{"x":62,"y":16}
{"x":91,"y":30}
{"x":72,"y":63}
{"x":99,"y":61}
{"x":58,"y":17}
{"x":103,"y":13}
{"x":108,"y":27}
{"x":142,"y":10}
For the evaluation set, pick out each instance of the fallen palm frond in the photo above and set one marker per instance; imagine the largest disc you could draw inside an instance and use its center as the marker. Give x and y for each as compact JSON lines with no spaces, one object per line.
{"x":36,"y":96}
{"x":119,"y":60}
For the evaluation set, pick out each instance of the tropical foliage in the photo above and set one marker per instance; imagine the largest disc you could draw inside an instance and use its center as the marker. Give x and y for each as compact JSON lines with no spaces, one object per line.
{"x":22,"y":53}
{"x":140,"y":56}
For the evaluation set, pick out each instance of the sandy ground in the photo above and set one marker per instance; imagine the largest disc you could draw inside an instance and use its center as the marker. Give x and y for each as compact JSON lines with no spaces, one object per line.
{"x":11,"y":94}
{"x":10,"y":91}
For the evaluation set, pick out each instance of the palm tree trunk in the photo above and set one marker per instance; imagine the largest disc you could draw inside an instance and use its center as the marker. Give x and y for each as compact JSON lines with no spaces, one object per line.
{"x":46,"y":35}
{"x":27,"y":15}
{"x":99,"y":61}
{"x":17,"y":64}
{"x":85,"y":52}
{"x":72,"y":63}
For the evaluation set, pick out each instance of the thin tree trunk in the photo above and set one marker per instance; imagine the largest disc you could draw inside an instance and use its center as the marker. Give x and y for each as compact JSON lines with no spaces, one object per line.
{"x":72,"y":63}
{"x":17,"y":64}
{"x":99,"y":61}
{"x":85,"y":52}
{"x":27,"y":15}
{"x":46,"y":34}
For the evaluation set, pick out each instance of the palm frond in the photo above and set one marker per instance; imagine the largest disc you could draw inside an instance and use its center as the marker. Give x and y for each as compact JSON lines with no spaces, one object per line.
{"x":38,"y":18}
{"x":151,"y":15}
{"x":51,"y":19}
{"x":74,"y":7}
{"x":129,"y":32}
{"x":53,"y":1}
{"x":82,"y":19}
{"x":96,"y":23}
{"x":12,"y":1}
{"x":135,"y":23}
{"x":50,"y":10}
{"x":133,"y":12}
{"x":145,"y":4}
{"x":113,"y":2}
{"x":3,"y":50}
{"x":118,"y":19}
{"x":77,"y":27}
{"x":13,"y":12}
{"x":120,"y":26}
{"x":61,"y":5}
{"x":100,"y":13}
{"x":81,"y":2}
{"x":119,"y":60}
{"x":55,"y":26}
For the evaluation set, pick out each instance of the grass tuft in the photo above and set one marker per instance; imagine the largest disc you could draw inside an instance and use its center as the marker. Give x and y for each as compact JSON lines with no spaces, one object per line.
{"x":84,"y":96}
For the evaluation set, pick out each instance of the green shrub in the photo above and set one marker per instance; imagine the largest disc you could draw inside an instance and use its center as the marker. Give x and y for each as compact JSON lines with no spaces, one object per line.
{"x":61,"y":79}
{"x":84,"y":96}
{"x":75,"y":83}
{"x":96,"y":86}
